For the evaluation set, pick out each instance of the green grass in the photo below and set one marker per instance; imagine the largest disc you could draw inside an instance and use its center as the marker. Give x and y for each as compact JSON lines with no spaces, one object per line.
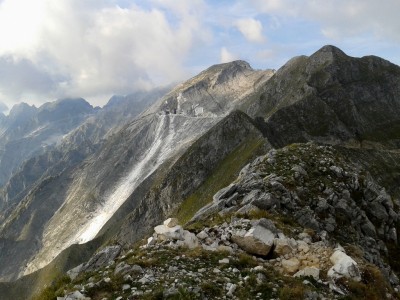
{"x":223,"y":175}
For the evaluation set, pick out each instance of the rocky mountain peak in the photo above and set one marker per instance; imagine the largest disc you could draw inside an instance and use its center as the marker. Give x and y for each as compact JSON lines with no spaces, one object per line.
{"x":214,"y":92}
{"x":63,"y":108}
{"x":21,"y":110}
{"x":327,"y":53}
{"x":230,"y":66}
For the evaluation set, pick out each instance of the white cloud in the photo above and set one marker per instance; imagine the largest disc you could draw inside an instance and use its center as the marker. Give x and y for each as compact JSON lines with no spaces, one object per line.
{"x":227,"y":56}
{"x":251,"y":29}
{"x":93,"y":48}
{"x":340,"y":19}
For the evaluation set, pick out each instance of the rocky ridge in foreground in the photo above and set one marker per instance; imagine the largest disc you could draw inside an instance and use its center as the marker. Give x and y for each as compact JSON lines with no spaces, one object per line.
{"x":298,"y":223}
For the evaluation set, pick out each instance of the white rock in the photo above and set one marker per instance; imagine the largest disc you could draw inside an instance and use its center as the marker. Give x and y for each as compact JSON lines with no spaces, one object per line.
{"x":126,"y":287}
{"x":232,"y":289}
{"x":303,"y":246}
{"x":202,"y":235}
{"x":216,"y":271}
{"x":224,"y":261}
{"x":308,"y":271}
{"x":171,"y":222}
{"x":291,"y":266}
{"x":190,"y":239}
{"x":258,"y":240}
{"x":282,"y":247}
{"x":151,"y":241}
{"x":144,"y":280}
{"x":166,"y":233}
{"x":343,"y":265}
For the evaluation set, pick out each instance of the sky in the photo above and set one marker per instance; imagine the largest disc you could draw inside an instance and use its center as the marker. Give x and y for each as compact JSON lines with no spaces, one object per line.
{"x":97,"y":48}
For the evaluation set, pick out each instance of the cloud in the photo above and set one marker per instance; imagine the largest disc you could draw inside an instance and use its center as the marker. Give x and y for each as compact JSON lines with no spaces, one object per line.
{"x":251,"y":29}
{"x":94,"y":48}
{"x":227,"y":56}
{"x":21,"y":79}
{"x":339,"y":19}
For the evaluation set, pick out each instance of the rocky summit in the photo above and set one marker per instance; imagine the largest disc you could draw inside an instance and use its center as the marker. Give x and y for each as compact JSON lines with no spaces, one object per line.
{"x":235,"y":184}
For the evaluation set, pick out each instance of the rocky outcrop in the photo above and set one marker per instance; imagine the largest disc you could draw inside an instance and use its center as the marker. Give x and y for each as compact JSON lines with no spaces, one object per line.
{"x":318,"y":188}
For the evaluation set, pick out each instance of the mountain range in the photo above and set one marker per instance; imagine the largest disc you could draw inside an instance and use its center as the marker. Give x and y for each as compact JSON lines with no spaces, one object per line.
{"x":75,"y":179}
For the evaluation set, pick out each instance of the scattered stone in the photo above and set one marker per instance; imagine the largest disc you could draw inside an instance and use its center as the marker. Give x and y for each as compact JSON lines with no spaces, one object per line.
{"x":151,"y":241}
{"x":202,"y":235}
{"x":169,"y":233}
{"x":136,"y":269}
{"x":216,"y":271}
{"x":282,"y":247}
{"x":302,"y":246}
{"x":224,"y":261}
{"x":261,"y":278}
{"x":232,"y":289}
{"x":343,"y":265}
{"x":259,"y":239}
{"x":172,"y":269}
{"x":291,"y":265}
{"x":122,"y":268}
{"x":308,"y":271}
{"x":190,"y":240}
